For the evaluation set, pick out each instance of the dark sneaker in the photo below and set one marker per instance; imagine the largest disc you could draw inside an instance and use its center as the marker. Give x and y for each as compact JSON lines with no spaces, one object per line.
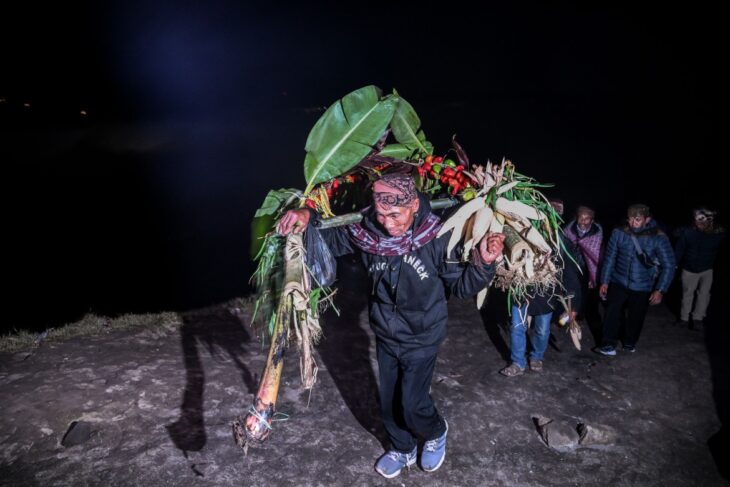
{"x":607,"y":350}
{"x":698,"y":325}
{"x":536,"y":365}
{"x":629,"y":348}
{"x":434,"y":452}
{"x":391,"y":463}
{"x":512,"y":370}
{"x":683,"y":323}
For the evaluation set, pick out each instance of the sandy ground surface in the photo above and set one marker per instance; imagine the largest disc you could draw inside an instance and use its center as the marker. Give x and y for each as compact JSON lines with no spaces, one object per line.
{"x":155,"y":407}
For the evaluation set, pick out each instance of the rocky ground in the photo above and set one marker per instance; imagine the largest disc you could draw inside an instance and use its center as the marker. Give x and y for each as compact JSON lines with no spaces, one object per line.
{"x":154,"y":407}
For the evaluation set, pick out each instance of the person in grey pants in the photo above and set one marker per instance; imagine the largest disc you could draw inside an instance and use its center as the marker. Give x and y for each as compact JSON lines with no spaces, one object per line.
{"x":696,"y":249}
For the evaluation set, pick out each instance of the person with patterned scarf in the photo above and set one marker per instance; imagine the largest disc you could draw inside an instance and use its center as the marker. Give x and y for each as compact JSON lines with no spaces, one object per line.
{"x":410,"y":275}
{"x":587,"y":236}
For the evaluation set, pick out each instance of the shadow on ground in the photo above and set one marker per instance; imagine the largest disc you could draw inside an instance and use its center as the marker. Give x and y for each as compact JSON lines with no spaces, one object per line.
{"x":218,"y":336}
{"x":345,"y":350}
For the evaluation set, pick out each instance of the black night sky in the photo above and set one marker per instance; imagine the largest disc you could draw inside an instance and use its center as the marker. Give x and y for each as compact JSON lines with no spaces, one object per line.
{"x":192,"y":111}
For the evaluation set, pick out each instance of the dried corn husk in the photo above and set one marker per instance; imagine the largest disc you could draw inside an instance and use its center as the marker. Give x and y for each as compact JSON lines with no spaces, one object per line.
{"x":482,"y":221}
{"x":517,"y":210}
{"x":530,"y":234}
{"x":575,"y":333}
{"x":481,"y":297}
{"x":497,"y":224}
{"x":469,"y":241}
{"x":457,"y":221}
{"x":506,"y":187}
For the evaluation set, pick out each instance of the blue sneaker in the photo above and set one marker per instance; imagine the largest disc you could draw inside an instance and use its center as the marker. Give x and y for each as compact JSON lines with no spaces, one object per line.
{"x":609,"y":350}
{"x":434,"y":452}
{"x":391,"y":463}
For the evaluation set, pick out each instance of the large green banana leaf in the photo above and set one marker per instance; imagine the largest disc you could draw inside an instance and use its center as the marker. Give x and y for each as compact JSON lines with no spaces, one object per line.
{"x":275,"y":199}
{"x":406,"y":128}
{"x":404,"y":152}
{"x":346,"y":133}
{"x":265,"y":216}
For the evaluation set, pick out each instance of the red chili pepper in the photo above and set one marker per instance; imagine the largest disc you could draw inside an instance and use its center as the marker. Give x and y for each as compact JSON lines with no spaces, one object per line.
{"x":438,"y":160}
{"x":311,"y":204}
{"x":449,"y":172}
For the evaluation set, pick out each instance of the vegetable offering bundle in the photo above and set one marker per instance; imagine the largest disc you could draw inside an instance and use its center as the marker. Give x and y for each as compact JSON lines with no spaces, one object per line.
{"x":357,"y":139}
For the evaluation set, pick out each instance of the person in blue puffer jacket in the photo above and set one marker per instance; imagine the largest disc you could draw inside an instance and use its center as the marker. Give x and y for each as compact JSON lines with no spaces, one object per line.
{"x":638,"y":268}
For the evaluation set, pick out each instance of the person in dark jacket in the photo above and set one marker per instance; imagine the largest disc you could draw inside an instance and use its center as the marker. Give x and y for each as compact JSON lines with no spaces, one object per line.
{"x":409,"y":276}
{"x":540,"y":306}
{"x":637,"y":270}
{"x":696,"y":250}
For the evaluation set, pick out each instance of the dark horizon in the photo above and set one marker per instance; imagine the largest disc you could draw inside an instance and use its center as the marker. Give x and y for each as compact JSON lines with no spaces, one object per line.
{"x":193,"y":113}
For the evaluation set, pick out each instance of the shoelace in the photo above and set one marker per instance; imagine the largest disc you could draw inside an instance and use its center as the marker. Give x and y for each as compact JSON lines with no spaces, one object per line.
{"x":431,"y":445}
{"x":395,"y":456}
{"x":399,"y":457}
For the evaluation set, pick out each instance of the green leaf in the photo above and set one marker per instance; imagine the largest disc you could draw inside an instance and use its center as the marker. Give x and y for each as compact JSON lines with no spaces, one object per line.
{"x":265,"y":217}
{"x":275,"y":199}
{"x":407,"y":128}
{"x":346,"y":133}
{"x":259,"y":228}
{"x":397,"y":151}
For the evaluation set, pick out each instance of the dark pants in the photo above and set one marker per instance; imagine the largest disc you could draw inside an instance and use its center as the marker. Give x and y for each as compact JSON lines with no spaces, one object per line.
{"x":405,"y":399}
{"x":590,"y":309}
{"x":636,"y":302}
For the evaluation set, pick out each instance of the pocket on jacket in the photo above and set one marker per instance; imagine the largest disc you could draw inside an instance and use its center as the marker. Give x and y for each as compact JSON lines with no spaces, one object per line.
{"x":415,"y":320}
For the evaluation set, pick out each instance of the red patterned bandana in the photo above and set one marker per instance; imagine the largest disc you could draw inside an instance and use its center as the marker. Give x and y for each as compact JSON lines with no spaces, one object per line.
{"x":403,"y":190}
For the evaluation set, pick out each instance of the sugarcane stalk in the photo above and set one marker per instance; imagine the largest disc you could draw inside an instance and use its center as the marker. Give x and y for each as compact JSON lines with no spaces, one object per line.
{"x":515,"y":246}
{"x":256,"y":426}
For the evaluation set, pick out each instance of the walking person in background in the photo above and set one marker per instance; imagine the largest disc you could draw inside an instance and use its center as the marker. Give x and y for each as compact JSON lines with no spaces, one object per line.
{"x":638,"y":268}
{"x":587,"y":236}
{"x":539,"y":308}
{"x":696,"y":250}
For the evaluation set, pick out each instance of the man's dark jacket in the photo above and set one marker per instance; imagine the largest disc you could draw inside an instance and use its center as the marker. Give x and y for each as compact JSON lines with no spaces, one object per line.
{"x":623,"y":265}
{"x":696,"y":250}
{"x":407,"y":299}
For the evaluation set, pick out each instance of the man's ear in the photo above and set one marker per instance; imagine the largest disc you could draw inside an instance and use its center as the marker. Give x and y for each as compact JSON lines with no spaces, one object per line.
{"x":416,"y":205}
{"x":648,"y":219}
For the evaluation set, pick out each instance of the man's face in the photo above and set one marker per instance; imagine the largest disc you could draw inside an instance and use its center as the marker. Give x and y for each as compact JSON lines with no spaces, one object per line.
{"x":396,"y":220}
{"x":638,"y":221}
{"x":703,"y":224}
{"x":584,"y":221}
